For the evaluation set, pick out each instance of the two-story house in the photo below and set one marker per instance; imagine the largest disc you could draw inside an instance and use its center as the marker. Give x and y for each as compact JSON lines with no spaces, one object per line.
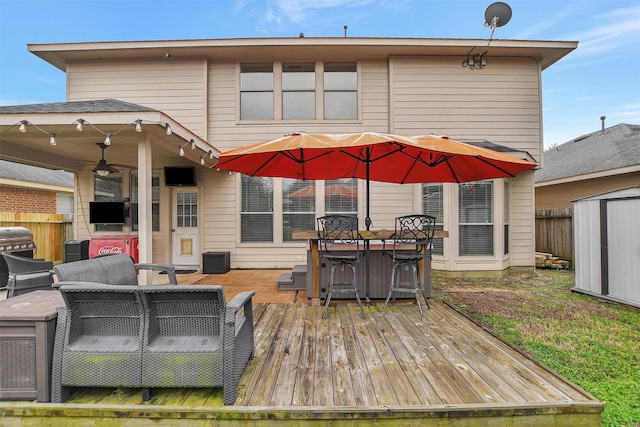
{"x":179,"y":103}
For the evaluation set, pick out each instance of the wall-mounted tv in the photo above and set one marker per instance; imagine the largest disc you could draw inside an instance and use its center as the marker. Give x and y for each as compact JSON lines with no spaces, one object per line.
{"x":180,"y":176}
{"x":107,"y":212}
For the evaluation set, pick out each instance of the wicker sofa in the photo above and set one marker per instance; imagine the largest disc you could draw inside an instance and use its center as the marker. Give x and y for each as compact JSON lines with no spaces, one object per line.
{"x":111,"y":270}
{"x":151,"y":337}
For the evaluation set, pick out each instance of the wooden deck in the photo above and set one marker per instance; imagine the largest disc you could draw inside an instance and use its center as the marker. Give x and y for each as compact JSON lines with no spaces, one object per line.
{"x":391,"y":369}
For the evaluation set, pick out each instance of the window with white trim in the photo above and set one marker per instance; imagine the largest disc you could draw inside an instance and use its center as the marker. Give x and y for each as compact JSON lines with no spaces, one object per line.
{"x":155,"y":202}
{"x":298,"y":207}
{"x":298,"y":90}
{"x":433,"y":204}
{"x":256,"y":222}
{"x":341,"y":197}
{"x":506,"y":217}
{"x":475,"y":218}
{"x":340,"y":90}
{"x":256,"y":91}
{"x":108,"y":189}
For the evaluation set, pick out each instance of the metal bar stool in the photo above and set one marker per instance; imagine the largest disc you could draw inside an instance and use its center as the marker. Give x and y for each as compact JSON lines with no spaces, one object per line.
{"x":339,"y":243}
{"x":412,"y":235}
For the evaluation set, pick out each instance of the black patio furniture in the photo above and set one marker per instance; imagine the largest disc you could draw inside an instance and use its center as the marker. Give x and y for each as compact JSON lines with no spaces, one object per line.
{"x":339,"y":244}
{"x":410,"y":240}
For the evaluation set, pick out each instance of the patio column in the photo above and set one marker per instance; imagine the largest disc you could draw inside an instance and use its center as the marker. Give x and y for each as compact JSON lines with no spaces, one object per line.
{"x":145,"y":231}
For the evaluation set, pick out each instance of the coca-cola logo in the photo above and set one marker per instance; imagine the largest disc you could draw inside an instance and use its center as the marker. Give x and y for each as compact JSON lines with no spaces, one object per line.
{"x":109,"y":250}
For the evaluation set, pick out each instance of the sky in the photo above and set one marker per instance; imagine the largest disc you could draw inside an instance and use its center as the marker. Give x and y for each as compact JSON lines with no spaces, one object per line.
{"x":600,"y":78}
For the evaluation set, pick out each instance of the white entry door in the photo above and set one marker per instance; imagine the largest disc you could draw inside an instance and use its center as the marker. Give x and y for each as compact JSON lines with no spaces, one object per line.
{"x":185,"y":229}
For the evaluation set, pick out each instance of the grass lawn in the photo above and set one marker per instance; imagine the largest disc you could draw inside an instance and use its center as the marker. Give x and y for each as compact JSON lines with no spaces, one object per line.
{"x":592,"y":342}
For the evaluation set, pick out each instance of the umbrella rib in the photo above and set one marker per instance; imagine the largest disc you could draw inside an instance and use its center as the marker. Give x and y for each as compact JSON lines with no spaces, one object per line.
{"x":496,"y":166}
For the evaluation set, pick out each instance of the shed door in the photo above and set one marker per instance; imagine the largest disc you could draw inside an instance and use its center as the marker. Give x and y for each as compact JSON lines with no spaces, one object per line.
{"x":623,"y":229}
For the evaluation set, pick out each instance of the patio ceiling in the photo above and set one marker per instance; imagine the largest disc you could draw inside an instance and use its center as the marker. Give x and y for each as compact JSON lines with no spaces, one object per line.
{"x":77,"y":150}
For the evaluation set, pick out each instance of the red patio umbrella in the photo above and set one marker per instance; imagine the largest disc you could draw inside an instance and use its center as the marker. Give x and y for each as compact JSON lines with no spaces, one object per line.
{"x":373,"y":157}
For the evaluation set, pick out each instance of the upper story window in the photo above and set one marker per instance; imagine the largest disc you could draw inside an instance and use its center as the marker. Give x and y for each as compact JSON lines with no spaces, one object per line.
{"x":298,"y":90}
{"x":256,"y":91}
{"x":340,"y":90}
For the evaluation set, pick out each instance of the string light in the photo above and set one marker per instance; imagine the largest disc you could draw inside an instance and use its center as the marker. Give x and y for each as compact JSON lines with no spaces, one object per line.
{"x":80,"y":125}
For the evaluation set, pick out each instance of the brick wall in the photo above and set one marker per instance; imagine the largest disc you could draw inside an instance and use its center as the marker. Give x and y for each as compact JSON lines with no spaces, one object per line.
{"x":16,"y":199}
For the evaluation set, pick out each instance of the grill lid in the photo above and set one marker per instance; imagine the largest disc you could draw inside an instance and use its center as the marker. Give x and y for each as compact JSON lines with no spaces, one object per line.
{"x":16,"y":239}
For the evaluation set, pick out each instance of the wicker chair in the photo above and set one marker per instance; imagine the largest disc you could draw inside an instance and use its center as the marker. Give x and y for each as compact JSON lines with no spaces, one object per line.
{"x":111,"y":270}
{"x":412,"y":234}
{"x":98,"y":340}
{"x":195,"y":339}
{"x":27,"y":274}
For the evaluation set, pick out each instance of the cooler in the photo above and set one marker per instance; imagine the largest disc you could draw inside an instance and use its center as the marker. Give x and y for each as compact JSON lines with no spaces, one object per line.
{"x":119,"y":244}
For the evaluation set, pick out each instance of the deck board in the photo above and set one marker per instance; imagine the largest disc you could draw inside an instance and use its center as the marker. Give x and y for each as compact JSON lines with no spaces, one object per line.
{"x":393,"y":365}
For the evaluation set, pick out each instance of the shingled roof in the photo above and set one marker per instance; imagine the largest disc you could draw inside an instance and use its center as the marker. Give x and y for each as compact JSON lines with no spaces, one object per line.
{"x":609,"y":149}
{"x":94,"y":106}
{"x":26,"y":173}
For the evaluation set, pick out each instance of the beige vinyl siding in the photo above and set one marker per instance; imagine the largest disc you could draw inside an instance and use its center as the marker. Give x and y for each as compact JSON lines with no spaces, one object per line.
{"x":561,"y":195}
{"x":522,"y":220}
{"x":175,"y":88}
{"x":500,"y":103}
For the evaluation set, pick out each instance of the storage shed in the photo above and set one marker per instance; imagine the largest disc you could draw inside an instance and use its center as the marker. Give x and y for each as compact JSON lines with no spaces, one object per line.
{"x":607,"y":245}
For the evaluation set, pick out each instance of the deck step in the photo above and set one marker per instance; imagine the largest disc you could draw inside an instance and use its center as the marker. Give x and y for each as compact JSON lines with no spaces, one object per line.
{"x":296,"y":280}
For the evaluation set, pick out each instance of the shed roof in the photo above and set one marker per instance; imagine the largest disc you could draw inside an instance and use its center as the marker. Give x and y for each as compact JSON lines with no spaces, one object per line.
{"x":613,"y":148}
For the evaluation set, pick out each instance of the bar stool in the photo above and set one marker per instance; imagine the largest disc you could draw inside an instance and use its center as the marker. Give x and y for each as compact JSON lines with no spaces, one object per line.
{"x":412,"y":235}
{"x":339,"y":243}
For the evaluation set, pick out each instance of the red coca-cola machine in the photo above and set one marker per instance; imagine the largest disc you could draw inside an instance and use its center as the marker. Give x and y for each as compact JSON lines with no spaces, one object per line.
{"x":117,"y":244}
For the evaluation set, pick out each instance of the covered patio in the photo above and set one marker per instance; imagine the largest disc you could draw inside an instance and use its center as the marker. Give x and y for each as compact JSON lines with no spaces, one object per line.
{"x":388,"y":368}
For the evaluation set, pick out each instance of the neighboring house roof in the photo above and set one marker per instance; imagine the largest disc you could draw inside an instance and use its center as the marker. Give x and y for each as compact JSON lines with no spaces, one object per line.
{"x":611,"y":149}
{"x":95,"y":106}
{"x":10,"y":171}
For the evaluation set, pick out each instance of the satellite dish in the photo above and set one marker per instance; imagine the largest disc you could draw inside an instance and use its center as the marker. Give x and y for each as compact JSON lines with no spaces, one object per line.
{"x":497,"y":15}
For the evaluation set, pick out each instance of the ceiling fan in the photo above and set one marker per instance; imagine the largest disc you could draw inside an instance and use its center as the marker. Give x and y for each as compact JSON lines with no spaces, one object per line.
{"x":103,"y":168}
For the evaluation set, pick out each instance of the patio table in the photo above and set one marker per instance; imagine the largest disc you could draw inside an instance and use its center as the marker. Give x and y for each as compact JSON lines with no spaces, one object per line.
{"x":366,"y":235}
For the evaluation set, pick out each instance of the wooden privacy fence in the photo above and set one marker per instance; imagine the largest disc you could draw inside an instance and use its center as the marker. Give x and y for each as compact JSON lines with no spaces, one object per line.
{"x":49,"y":231}
{"x":554,"y":232}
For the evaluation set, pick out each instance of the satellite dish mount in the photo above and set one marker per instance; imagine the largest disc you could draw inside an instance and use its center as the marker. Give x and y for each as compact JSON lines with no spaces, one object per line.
{"x":497,"y":15}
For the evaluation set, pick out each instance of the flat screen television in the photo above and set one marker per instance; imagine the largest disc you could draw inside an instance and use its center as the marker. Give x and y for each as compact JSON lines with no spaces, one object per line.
{"x":180,"y":176}
{"x":107,"y":212}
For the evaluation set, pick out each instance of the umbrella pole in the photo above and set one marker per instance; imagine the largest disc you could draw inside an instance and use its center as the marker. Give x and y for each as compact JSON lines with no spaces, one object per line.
{"x":367,"y":252}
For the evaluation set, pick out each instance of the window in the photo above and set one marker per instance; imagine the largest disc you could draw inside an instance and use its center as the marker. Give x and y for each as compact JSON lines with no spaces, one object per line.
{"x":298,"y":207}
{"x":340,"y":90}
{"x":256,"y":224}
{"x":506,"y":218}
{"x":475,"y":218}
{"x":64,"y":203}
{"x":341,"y":196}
{"x":155,"y":202}
{"x":256,"y":91}
{"x":187,"y":209}
{"x":433,"y":204}
{"x":105,"y":189}
{"x":298,"y":90}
